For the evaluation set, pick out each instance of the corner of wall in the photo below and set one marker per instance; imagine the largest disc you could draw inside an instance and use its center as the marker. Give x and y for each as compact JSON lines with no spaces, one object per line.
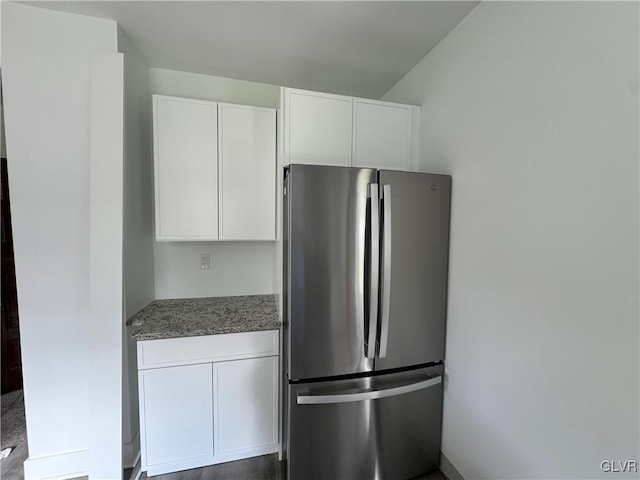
{"x":139,"y":289}
{"x":449,"y":469}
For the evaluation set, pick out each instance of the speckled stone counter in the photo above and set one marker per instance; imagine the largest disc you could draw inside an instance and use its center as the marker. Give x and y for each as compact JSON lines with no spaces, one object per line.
{"x":189,"y":317}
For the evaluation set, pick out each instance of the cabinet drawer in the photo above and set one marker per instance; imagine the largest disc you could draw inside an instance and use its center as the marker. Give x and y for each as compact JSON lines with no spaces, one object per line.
{"x":209,"y":348}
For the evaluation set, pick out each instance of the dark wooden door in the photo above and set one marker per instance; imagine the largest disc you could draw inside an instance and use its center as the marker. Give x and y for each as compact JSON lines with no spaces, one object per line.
{"x":11,"y":361}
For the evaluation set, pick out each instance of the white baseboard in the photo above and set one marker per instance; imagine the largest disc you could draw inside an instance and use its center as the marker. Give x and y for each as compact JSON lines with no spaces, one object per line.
{"x":131,"y":452}
{"x":57,"y":467}
{"x":74,"y":464}
{"x":136,"y":473}
{"x":449,"y":470}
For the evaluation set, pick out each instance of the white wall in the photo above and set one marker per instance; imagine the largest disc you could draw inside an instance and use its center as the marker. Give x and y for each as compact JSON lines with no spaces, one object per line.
{"x":46,"y":65}
{"x":208,"y":87}
{"x":138,"y":195}
{"x":532,"y":107}
{"x":138,"y":227}
{"x":3,"y":151}
{"x":237,"y":268}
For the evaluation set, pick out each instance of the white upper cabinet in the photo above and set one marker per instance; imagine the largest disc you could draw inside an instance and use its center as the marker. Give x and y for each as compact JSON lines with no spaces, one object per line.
{"x":247,"y":170}
{"x":382,"y":135}
{"x":326,"y":129}
{"x":214,"y":170}
{"x":185,"y":168}
{"x":318,"y":128}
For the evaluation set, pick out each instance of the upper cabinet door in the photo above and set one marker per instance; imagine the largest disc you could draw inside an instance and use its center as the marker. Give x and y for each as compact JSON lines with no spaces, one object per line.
{"x":382,"y":135}
{"x":318,"y":128}
{"x":186,"y":170}
{"x":247,"y":169}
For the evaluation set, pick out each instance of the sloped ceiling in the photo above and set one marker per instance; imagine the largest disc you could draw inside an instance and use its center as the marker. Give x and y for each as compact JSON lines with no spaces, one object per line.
{"x":353,"y":48}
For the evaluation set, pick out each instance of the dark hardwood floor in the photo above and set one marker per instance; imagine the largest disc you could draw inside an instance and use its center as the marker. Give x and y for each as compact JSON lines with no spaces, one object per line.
{"x":13,"y":435}
{"x":266,"y":467}
{"x":11,"y":468}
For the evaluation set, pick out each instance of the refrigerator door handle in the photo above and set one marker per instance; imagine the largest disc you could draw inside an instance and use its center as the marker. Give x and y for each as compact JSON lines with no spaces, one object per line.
{"x":374,"y":262}
{"x":368,"y":395}
{"x":386,"y":270}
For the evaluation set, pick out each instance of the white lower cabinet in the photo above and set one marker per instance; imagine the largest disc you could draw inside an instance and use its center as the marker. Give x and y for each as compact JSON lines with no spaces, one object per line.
{"x":177,"y":417}
{"x":247,"y":409}
{"x":212,"y":411}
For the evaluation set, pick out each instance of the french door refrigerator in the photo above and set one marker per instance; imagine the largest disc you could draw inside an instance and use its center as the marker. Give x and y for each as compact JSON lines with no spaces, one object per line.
{"x":365,"y":284}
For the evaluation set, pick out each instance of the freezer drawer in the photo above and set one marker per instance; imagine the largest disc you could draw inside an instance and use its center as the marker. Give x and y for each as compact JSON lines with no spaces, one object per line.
{"x":383,"y":427}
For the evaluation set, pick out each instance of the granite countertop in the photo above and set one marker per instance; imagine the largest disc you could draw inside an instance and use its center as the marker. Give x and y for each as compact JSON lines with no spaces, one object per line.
{"x":190,"y":317}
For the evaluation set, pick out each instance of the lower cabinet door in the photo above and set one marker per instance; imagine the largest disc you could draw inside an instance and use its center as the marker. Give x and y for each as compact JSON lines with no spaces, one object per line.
{"x":177,"y":417}
{"x":247,"y":408}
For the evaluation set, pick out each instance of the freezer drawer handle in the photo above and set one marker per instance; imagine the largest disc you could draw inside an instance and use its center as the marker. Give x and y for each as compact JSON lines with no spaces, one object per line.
{"x":370,"y":395}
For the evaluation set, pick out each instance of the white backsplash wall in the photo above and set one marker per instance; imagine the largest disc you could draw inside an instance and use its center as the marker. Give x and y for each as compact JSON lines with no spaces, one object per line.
{"x":237,"y":268}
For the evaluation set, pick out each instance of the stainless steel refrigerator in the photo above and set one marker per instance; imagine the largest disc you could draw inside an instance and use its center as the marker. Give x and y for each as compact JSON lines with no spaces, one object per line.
{"x":365,"y":286}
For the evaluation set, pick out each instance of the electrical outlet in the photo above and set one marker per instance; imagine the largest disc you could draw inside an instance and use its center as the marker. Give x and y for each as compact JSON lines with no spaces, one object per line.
{"x":205,"y":261}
